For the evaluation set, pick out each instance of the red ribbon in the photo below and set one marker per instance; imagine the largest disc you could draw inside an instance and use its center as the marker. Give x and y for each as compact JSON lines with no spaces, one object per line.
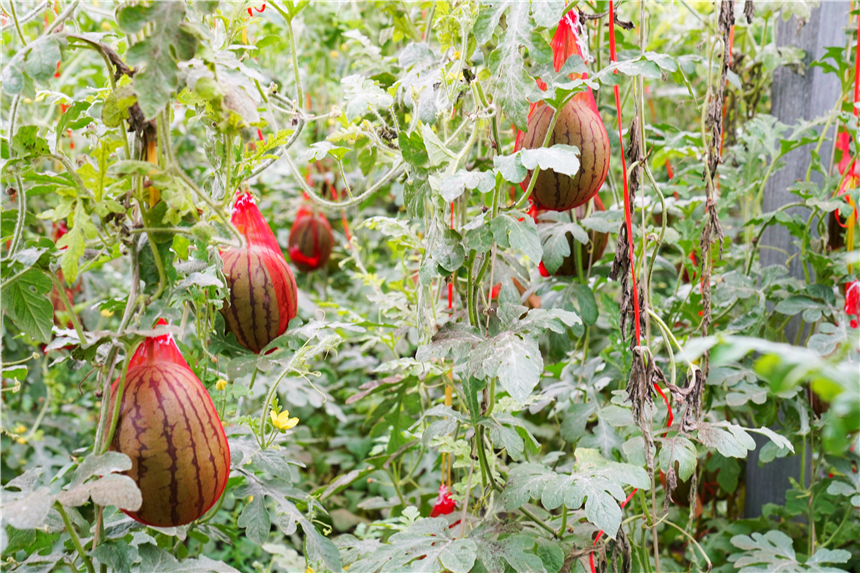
{"x":629,"y":224}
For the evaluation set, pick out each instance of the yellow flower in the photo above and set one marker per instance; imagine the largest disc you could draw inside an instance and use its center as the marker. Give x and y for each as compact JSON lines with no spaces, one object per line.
{"x":20,"y":429}
{"x":283,"y":421}
{"x":21,"y":441}
{"x":309,"y":570}
{"x":106,"y":313}
{"x":221,"y":385}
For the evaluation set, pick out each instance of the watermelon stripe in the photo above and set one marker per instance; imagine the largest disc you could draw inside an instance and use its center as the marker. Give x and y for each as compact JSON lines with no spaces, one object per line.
{"x":208,"y":436}
{"x":233,"y":319}
{"x":579,"y":127}
{"x":167,"y":437}
{"x":262,"y":287}
{"x":175,"y":384}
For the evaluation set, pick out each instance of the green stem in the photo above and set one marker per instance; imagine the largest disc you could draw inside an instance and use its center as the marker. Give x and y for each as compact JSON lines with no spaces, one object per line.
{"x":22,"y":194}
{"x":176,"y":231}
{"x":536,"y":171}
{"x":497,"y":141}
{"x":69,"y":308}
{"x":294,"y":54}
{"x":159,"y":265}
{"x":482,"y":456}
{"x":15,"y":19}
{"x":664,"y":218}
{"x":470,"y":288}
{"x":838,"y":529}
{"x":118,"y":398}
{"x":754,"y":246}
{"x":206,"y":199}
{"x":228,"y":167}
{"x":253,"y":379}
{"x":396,"y":485}
{"x":563,"y":521}
{"x":491,"y":399}
{"x":669,"y":334}
{"x":666,"y":335}
{"x":340,"y":204}
{"x":690,"y":537}
{"x":75,"y":540}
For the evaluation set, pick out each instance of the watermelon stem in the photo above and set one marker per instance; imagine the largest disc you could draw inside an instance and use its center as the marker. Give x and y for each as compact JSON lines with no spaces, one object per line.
{"x":69,"y":308}
{"x":71,"y":530}
{"x":129,"y":351}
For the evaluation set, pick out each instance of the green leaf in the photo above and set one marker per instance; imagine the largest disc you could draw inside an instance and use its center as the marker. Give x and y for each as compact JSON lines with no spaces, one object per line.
{"x":539,"y":320}
{"x":728,"y":470}
{"x":509,"y":232}
{"x":436,"y":150}
{"x":319,"y":547}
{"x":510,"y":79}
{"x":455,"y":185}
{"x":453,"y":337}
{"x":730,"y":440}
{"x":29,"y":307}
{"x":573,"y":426}
{"x":362,"y":96}
{"x":586,"y":302}
{"x":72,"y":118}
{"x":797,"y":304}
{"x":547,"y":14}
{"x":13,"y":76}
{"x":117,"y":104}
{"x":516,"y":550}
{"x":42,"y":58}
{"x":556,"y":243}
{"x":603,"y":437}
{"x":560,"y":158}
{"x":680,"y":450}
{"x":74,"y":243}
{"x":319,"y":150}
{"x":26,"y":141}
{"x":448,"y":251}
{"x":510,"y":167}
{"x":516,"y":361}
{"x":156,"y":560}
{"x":775,"y":552}
{"x":595,"y":481}
{"x":412,"y":148}
{"x":116,"y":554}
{"x":157,"y":55}
{"x":425,"y":546}
{"x":255,"y":520}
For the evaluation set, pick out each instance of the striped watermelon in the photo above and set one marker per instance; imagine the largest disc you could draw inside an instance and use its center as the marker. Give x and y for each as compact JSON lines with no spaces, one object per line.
{"x":311,"y":240}
{"x":262,"y":287}
{"x":589,"y":252}
{"x":578,"y":124}
{"x":170,"y":429}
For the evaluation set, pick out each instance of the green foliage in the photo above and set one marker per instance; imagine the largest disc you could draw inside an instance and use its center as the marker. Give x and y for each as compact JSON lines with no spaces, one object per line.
{"x":524,"y":396}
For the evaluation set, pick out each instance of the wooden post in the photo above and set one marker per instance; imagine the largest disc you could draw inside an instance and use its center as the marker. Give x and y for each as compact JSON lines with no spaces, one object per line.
{"x":795,"y":97}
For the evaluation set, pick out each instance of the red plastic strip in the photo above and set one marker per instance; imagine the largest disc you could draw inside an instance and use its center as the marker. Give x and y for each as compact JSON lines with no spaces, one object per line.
{"x":628,"y":220}
{"x":451,"y":284}
{"x":629,"y":497}
{"x":846,"y":151}
{"x":629,"y":224}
